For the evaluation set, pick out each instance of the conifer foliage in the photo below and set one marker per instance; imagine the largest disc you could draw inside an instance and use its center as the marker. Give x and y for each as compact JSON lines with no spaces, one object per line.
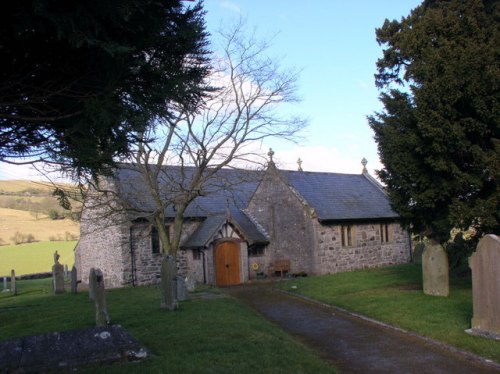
{"x":439,"y":133}
{"x":78,"y":78}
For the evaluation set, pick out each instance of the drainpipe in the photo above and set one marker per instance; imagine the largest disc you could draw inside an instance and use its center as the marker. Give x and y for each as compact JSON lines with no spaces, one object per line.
{"x":132,"y":256}
{"x":204,"y":267}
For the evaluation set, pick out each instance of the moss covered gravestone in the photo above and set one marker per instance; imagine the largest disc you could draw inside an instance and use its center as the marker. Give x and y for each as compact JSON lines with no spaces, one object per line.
{"x":435,"y":270}
{"x":485,"y":267}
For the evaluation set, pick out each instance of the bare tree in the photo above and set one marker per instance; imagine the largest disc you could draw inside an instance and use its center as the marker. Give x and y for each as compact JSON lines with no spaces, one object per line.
{"x":243,"y":110}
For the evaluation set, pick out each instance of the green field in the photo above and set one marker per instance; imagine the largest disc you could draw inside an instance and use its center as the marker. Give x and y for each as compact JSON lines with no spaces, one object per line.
{"x":35,"y":257}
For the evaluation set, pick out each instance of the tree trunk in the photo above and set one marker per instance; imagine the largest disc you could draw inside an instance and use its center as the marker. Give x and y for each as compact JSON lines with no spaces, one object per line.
{"x":168,"y":285}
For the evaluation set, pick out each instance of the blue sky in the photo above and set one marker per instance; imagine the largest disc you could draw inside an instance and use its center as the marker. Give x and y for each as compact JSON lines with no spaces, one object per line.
{"x":333,"y":43}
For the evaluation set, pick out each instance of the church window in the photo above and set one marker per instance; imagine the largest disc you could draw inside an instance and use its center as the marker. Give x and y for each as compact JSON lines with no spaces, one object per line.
{"x":385,"y":233}
{"x":347,"y":235}
{"x":196,"y":254}
{"x":155,"y":240}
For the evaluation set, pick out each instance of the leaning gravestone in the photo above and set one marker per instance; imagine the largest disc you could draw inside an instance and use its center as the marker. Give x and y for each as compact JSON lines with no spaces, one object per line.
{"x":435,"y":271}
{"x":92,"y":284}
{"x":168,"y":285}
{"x":57,"y":275}
{"x":485,"y":267}
{"x":101,"y":307}
{"x":13,"y":286}
{"x":74,"y":281}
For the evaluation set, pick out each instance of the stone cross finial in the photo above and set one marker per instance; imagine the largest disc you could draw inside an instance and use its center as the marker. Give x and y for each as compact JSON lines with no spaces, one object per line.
{"x":299,"y":161}
{"x":270,"y":154}
{"x":364,"y":162}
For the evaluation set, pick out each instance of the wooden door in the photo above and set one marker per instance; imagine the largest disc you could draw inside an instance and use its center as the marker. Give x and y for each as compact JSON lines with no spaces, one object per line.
{"x":227,"y":264}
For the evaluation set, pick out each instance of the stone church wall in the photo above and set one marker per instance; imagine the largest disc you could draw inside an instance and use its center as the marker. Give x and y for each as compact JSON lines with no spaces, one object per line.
{"x":287,"y":222}
{"x":368,"y":251}
{"x":104,"y":240}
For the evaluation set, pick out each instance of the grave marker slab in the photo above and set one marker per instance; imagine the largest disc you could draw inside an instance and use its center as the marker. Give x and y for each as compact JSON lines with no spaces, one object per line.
{"x":435,"y":271}
{"x":57,"y":275}
{"x":13,"y":286}
{"x":92,"y":284}
{"x":102,"y":316}
{"x":74,"y":280}
{"x":485,"y":267}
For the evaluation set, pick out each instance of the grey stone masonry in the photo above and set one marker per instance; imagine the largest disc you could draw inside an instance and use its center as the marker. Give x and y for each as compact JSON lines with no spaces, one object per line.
{"x":366,"y":249}
{"x":287,"y":221}
{"x":485,"y":266}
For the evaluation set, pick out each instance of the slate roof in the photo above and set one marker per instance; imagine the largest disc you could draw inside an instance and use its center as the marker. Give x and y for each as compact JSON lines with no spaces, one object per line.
{"x":231,"y":188}
{"x":209,"y":227}
{"x":333,"y":196}
{"x":340,"y":197}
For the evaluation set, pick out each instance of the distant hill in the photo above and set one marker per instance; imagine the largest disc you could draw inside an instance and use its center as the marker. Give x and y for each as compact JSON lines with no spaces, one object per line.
{"x":30,"y":212}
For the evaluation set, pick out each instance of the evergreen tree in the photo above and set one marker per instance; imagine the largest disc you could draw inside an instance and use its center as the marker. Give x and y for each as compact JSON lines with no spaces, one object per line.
{"x":439,"y":135}
{"x":78,"y":78}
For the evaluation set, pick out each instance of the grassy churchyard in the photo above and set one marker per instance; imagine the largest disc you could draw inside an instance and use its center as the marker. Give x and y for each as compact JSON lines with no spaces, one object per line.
{"x":207,"y":335}
{"x":394,"y":295}
{"x":221,"y":335}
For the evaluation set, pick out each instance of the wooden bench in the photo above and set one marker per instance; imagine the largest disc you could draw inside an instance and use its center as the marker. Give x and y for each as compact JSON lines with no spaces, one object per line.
{"x":281,"y":266}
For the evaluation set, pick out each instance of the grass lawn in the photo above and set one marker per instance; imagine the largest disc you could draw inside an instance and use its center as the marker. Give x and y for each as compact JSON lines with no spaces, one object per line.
{"x":394,"y":295}
{"x":35,"y":257}
{"x":205,"y":336}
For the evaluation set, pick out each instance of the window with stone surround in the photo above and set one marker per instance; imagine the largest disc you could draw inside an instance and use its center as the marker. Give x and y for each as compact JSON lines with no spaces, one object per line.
{"x":155,"y":240}
{"x":197,"y":254}
{"x":385,"y":233}
{"x":347,"y":233}
{"x":256,"y":250}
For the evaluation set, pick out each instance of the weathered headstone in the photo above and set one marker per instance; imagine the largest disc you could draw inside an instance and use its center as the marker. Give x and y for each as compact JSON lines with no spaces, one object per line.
{"x":181,"y":289}
{"x":13,"y":286}
{"x":485,"y":267}
{"x":74,"y":280}
{"x":435,"y":271}
{"x":101,"y":308}
{"x":190,"y":284}
{"x":5,"y":289}
{"x":417,"y":253}
{"x":66,"y":271}
{"x":92,"y":284}
{"x":168,"y":285}
{"x":57,"y":275}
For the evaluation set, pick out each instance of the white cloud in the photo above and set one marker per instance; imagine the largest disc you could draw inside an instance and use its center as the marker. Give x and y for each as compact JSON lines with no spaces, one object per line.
{"x":230,"y":6}
{"x":29,"y":172}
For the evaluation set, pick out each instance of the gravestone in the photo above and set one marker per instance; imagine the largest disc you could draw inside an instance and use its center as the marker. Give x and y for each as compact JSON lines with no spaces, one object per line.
{"x":101,"y":308}
{"x":485,"y":267}
{"x":190,"y":284}
{"x":66,"y":271}
{"x":417,"y":253}
{"x":435,"y":270}
{"x":57,"y":275}
{"x":5,"y":289}
{"x":92,"y":284}
{"x":74,"y":281}
{"x":13,"y":286}
{"x":181,"y":289}
{"x":168,"y":284}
